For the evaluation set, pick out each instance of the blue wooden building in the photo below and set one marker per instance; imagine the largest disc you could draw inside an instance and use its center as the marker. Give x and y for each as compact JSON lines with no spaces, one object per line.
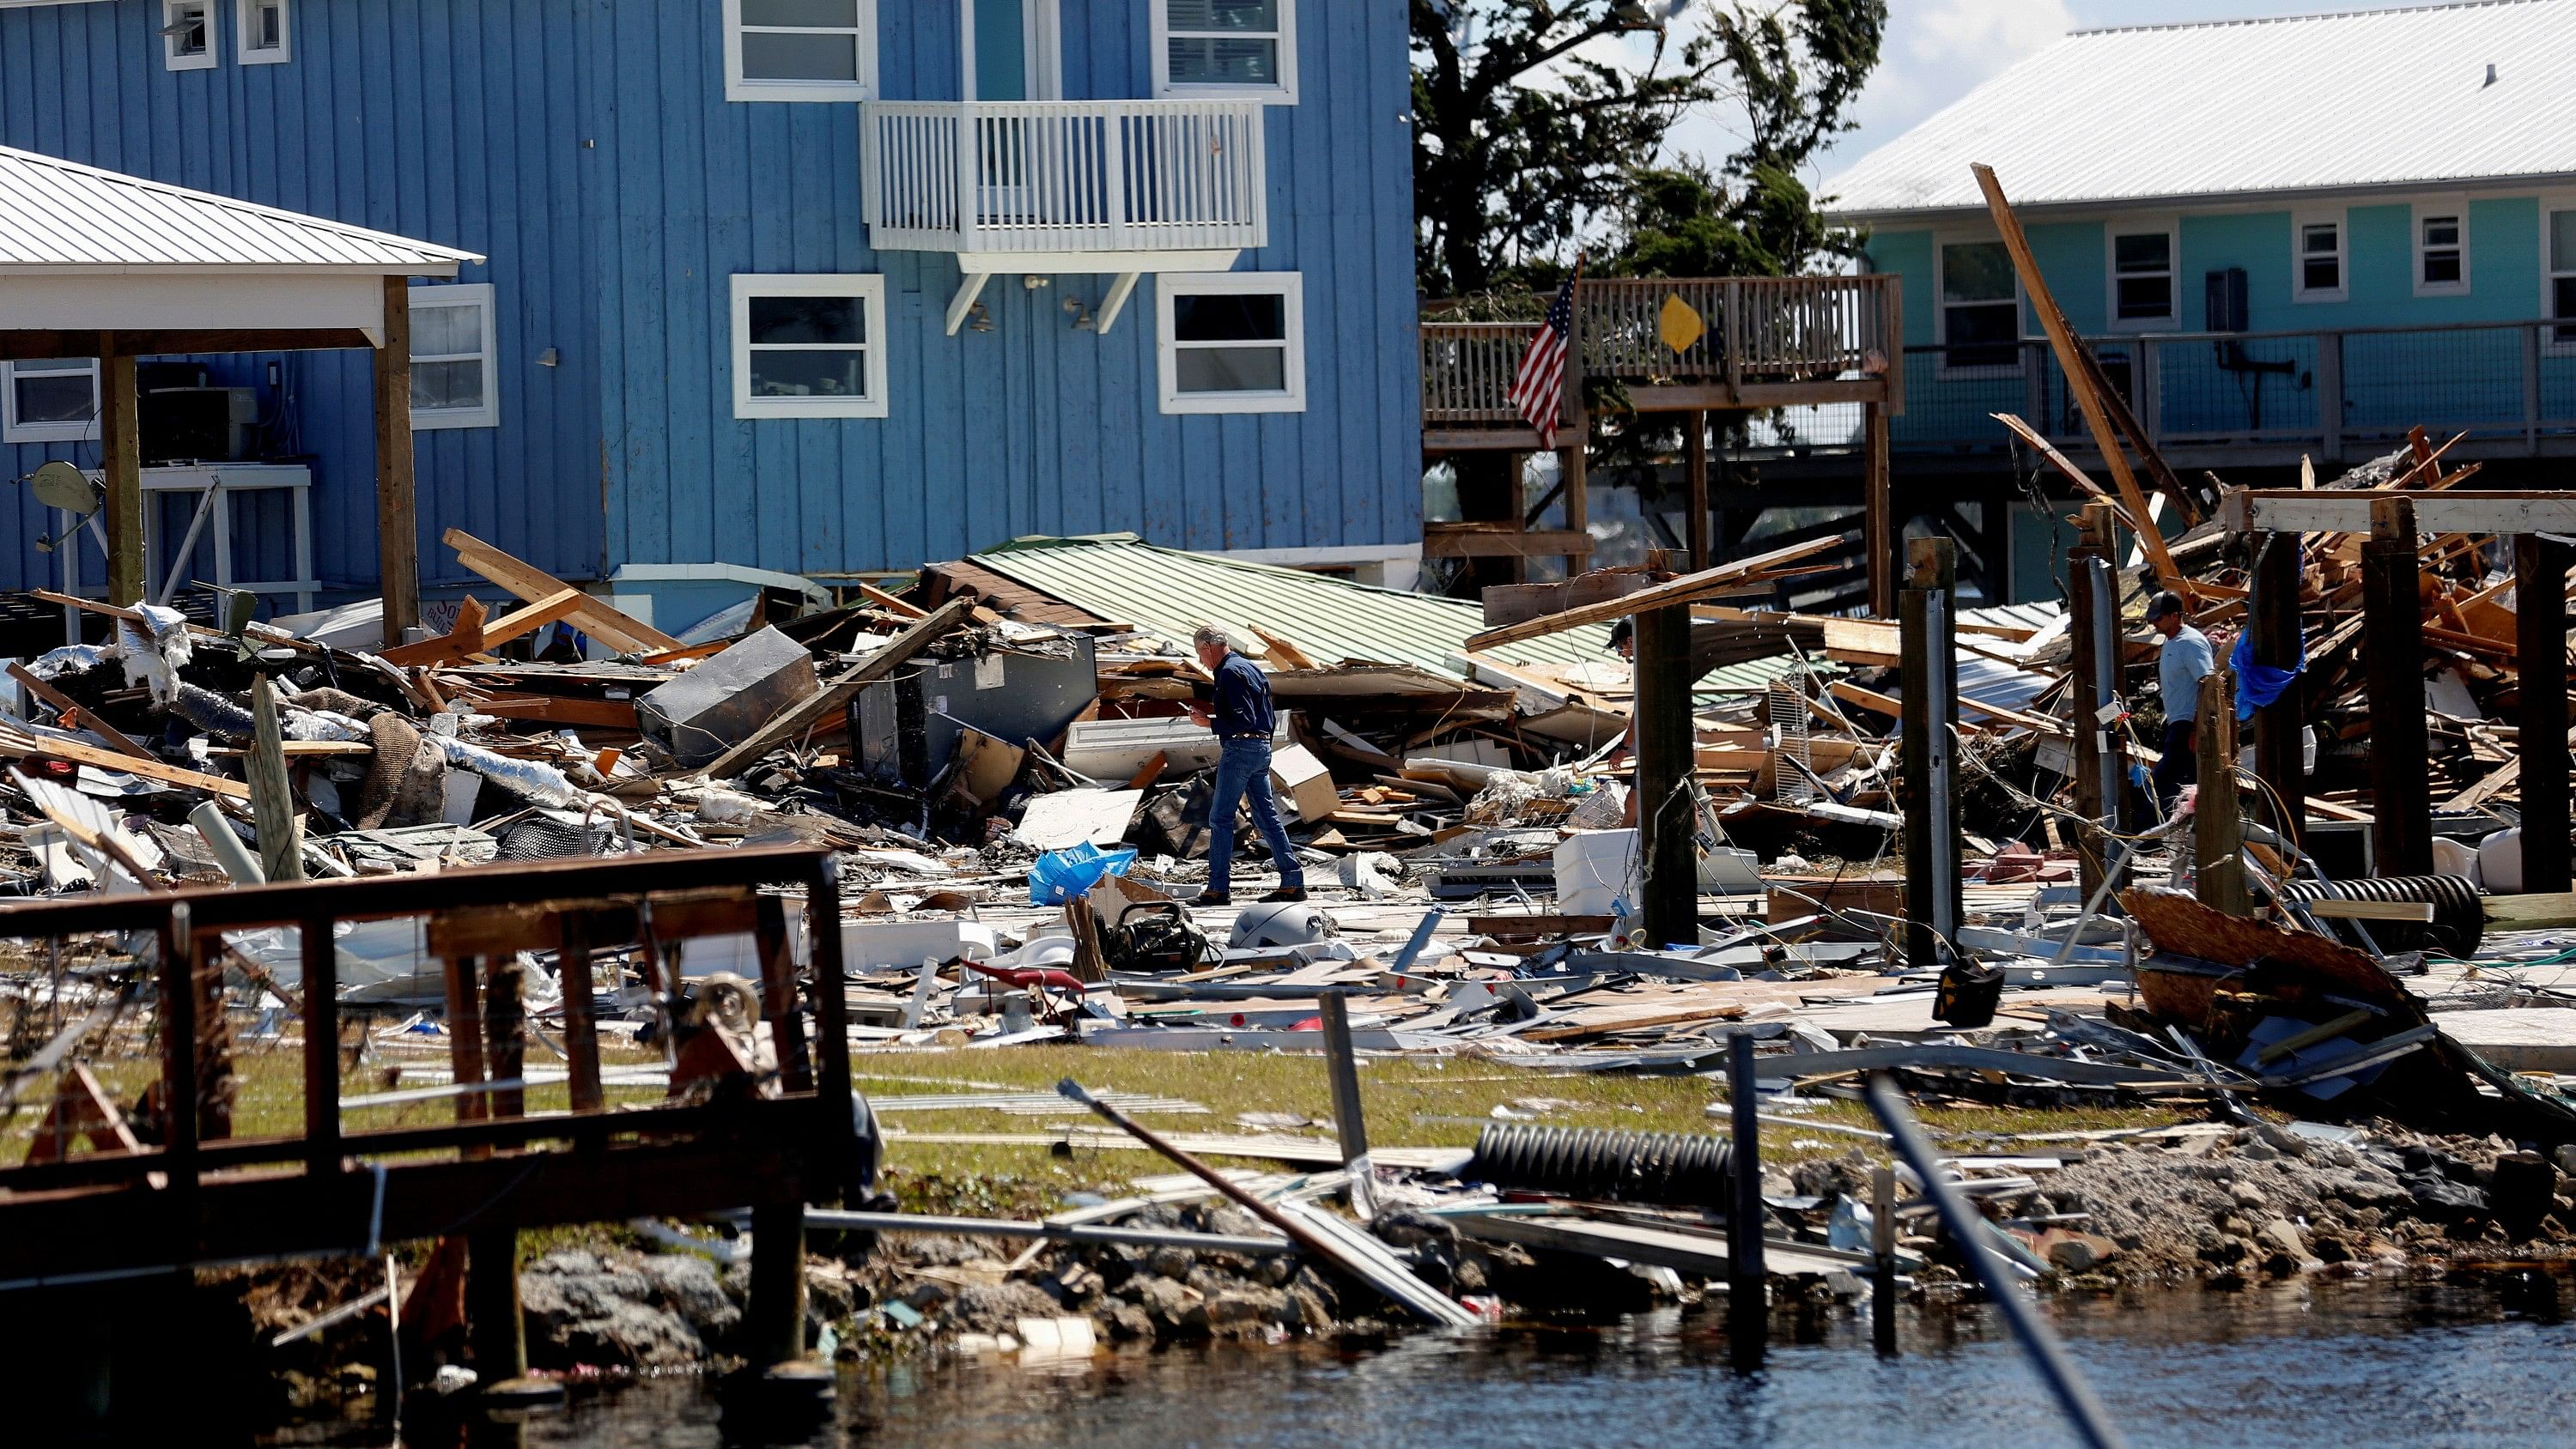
{"x":818,"y":287}
{"x":2284,"y":238}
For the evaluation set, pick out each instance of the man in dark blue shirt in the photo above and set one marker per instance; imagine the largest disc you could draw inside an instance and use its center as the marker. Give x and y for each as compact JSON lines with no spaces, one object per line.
{"x":1240,"y":713}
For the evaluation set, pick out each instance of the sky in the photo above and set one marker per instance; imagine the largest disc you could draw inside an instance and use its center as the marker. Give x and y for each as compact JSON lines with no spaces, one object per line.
{"x":1936,"y":51}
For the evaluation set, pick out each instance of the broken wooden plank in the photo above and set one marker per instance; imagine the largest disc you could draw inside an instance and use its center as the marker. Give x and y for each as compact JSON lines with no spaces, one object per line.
{"x":16,"y":745}
{"x":594,"y":617}
{"x":1689,"y":588}
{"x":70,"y":712}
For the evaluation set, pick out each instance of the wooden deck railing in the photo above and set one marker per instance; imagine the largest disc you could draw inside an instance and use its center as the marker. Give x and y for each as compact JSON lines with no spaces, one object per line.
{"x":1759,"y":332}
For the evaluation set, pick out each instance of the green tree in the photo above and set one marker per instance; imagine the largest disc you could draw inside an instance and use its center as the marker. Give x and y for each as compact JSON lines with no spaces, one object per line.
{"x":1525,"y":136}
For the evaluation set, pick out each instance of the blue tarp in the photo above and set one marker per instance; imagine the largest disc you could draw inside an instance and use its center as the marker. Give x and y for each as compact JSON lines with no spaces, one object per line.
{"x":2259,"y":684}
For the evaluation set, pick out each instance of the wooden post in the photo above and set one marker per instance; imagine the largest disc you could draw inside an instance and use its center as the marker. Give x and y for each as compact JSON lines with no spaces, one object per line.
{"x":1748,"y":1281}
{"x":505,"y":1028}
{"x":1695,"y":463}
{"x":2540,"y":614}
{"x":778,"y":994}
{"x":581,"y":1030}
{"x":1882,"y":1246}
{"x":774,"y":1328}
{"x":397,"y":513}
{"x":2093,"y":631}
{"x":837,"y":1125}
{"x":1665,"y":759}
{"x":1931,"y":720}
{"x":178,"y":942}
{"x":492,"y":1325}
{"x":321,"y":1049}
{"x":120,"y":444}
{"x":1578,"y":500}
{"x":2279,"y":762}
{"x":2393,"y":626}
{"x":1878,"y":512}
{"x":281,"y":857}
{"x":2218,"y":826}
{"x":465,"y":1038}
{"x":1350,"y":1123}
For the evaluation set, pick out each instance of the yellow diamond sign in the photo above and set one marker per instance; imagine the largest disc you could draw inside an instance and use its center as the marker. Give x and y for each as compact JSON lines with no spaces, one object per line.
{"x":1680,"y":323}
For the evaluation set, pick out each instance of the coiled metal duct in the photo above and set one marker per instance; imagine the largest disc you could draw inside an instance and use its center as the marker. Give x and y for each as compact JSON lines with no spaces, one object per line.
{"x":1669,"y":1168}
{"x":2459,"y":916}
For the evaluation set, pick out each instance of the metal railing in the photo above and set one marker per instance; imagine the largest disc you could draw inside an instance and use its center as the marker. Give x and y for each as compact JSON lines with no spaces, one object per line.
{"x":1755,"y":331}
{"x":1051,"y":176}
{"x":2337,"y":392}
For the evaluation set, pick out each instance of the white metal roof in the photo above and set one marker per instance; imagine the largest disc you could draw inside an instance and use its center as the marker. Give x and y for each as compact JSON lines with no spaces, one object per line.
{"x":2314,"y":104}
{"x":59,"y":216}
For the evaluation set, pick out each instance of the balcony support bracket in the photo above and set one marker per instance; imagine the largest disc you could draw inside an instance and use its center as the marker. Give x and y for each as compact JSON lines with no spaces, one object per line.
{"x":1116,"y":302}
{"x":969,"y":287}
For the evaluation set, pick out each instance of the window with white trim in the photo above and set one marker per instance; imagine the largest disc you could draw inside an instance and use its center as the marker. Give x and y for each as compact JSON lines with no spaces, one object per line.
{"x":2441,"y":249}
{"x":2558,"y":274}
{"x":800,"y":50}
{"x":2143,"y":263}
{"x":1226,"y":47}
{"x":188,"y":34}
{"x":2318,"y":265}
{"x":809,"y":346}
{"x":49,"y":401}
{"x":260,"y":36}
{"x":1232,"y":342}
{"x":451,"y":358}
{"x":1980,"y":315}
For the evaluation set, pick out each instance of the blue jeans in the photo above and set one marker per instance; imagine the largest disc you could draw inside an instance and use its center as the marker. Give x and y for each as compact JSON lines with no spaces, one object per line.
{"x":1243,"y":767}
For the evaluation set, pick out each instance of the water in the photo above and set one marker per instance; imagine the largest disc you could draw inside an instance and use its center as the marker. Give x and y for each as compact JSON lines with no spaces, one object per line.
{"x":2485,"y":1362}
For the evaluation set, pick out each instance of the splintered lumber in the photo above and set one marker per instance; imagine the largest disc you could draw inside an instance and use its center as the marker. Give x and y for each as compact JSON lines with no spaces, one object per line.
{"x":1282,"y":652}
{"x":884,"y":600}
{"x":836,"y":695}
{"x":71,"y":712}
{"x":1689,"y":588}
{"x":594,"y":617}
{"x":2048,"y":453}
{"x":2073,"y":360}
{"x":16,"y":745}
{"x":462,"y":641}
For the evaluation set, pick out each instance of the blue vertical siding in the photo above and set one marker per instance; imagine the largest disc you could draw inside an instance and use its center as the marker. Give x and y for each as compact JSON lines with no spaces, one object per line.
{"x":447,"y":120}
{"x":586,"y":148}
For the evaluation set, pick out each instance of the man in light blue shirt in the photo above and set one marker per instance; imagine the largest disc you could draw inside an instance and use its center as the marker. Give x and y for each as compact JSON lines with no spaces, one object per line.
{"x":2186,"y":658}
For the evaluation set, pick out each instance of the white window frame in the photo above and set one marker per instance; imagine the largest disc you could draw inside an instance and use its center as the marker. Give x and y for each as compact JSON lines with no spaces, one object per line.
{"x":741,"y":88}
{"x":1289,"y":287}
{"x":477,"y":295}
{"x":1283,"y":94}
{"x":1941,"y":368}
{"x":170,"y":56}
{"x":245,"y":18}
{"x":2417,"y":216}
{"x":2170,"y":228}
{"x":14,"y":431}
{"x":2300,"y":221}
{"x":2551,"y":203}
{"x":868,"y":287}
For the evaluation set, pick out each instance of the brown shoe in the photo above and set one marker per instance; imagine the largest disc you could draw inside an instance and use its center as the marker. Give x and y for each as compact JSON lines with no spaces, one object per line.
{"x":1286,"y":893}
{"x":1212,"y":898}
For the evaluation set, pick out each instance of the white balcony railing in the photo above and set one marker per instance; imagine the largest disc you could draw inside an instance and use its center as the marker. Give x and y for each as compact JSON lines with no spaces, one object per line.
{"x":1065,"y":176}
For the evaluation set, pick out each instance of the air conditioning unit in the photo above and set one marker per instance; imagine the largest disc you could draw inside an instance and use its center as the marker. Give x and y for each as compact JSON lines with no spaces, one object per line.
{"x":197,"y":424}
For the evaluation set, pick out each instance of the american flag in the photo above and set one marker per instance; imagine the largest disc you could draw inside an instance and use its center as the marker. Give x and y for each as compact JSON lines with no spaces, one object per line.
{"x":1535,"y":390}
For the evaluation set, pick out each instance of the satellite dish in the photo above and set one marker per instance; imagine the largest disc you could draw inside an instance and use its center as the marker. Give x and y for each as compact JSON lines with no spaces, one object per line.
{"x":60,"y":485}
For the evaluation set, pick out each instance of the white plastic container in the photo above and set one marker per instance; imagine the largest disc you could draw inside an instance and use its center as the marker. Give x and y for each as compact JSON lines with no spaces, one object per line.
{"x":1597,"y":873}
{"x":2500,"y":862}
{"x":2450,"y":857}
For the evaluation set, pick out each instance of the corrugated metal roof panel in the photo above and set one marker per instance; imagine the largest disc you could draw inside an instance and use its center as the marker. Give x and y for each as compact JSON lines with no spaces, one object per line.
{"x":2314,"y":103}
{"x":57,"y":213}
{"x":1171,"y":592}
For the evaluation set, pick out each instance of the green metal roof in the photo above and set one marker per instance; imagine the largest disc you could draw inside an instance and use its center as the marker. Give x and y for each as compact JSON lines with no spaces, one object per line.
{"x":1171,"y":592}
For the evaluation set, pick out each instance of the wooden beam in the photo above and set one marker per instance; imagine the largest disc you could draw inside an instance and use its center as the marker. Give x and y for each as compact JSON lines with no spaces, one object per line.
{"x":120,"y":443}
{"x":2218,"y":821}
{"x":1689,"y":588}
{"x":24,"y":345}
{"x":397,"y":510}
{"x":1440,"y":542}
{"x":69,"y":711}
{"x":2071,"y":359}
{"x":20,"y":746}
{"x":595,"y":617}
{"x":840,"y":691}
{"x":2279,"y":753}
{"x":2342,"y":510}
{"x":1878,"y":512}
{"x":1695,"y":466}
{"x":1667,"y":815}
{"x":884,"y":600}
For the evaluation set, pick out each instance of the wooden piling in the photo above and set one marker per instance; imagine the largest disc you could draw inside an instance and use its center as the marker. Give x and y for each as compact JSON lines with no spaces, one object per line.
{"x":2218,"y":825}
{"x":1748,"y":1285}
{"x":1882,"y":1246}
{"x":774,"y":1329}
{"x":2393,"y":622}
{"x":2279,"y":761}
{"x":2540,"y":614}
{"x":1928,"y":792}
{"x":2089,"y":597}
{"x":1665,"y":759}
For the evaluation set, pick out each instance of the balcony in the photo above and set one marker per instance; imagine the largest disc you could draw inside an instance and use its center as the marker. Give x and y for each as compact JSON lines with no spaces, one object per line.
{"x":1120,"y":187}
{"x":2249,"y":399}
{"x":1769,"y":342}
